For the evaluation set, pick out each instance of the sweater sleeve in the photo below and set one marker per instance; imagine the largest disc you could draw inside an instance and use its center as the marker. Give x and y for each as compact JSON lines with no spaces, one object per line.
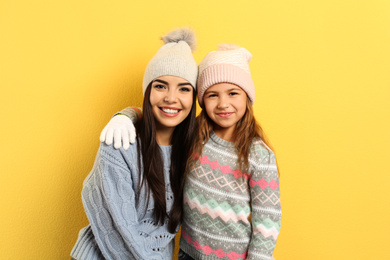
{"x":266,"y":209}
{"x":109,"y":202}
{"x":134,"y":113}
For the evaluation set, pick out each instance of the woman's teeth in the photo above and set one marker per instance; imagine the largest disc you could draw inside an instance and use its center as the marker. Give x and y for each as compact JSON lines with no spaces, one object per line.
{"x":170,"y":111}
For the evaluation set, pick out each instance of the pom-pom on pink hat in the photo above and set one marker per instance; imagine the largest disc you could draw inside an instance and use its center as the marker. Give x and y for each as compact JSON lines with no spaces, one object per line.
{"x":228,"y":64}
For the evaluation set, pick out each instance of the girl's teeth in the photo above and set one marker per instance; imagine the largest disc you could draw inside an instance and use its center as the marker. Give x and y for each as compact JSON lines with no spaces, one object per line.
{"x":170,"y":111}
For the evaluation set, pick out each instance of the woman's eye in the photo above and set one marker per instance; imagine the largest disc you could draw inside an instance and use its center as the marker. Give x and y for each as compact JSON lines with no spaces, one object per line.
{"x":211,"y":95}
{"x":185,"y":89}
{"x":233,"y":93}
{"x":159,"y":86}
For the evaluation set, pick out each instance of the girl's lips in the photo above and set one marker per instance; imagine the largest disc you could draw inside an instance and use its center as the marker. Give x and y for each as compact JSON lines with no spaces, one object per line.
{"x":227,"y":114}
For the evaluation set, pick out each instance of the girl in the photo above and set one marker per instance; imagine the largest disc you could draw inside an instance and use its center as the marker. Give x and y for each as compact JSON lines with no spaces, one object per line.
{"x":133,"y":199}
{"x":231,"y":193}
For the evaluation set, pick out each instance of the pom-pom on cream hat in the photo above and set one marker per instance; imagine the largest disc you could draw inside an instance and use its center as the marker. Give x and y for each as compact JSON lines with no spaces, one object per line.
{"x":174,"y":58}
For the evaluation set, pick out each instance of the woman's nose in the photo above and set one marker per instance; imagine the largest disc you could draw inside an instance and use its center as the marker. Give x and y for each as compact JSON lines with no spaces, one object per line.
{"x":170,"y":97}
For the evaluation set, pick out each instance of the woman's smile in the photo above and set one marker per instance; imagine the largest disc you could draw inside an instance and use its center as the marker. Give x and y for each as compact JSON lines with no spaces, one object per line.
{"x":171,"y":100}
{"x":170,"y":112}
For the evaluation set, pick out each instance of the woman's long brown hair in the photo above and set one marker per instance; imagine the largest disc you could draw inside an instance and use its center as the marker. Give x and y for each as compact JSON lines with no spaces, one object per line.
{"x":149,"y":153}
{"x":247,"y":129}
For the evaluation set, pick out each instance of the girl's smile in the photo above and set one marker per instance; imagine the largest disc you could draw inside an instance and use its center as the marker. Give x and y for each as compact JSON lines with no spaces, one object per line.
{"x":224,"y":115}
{"x":225,"y":104}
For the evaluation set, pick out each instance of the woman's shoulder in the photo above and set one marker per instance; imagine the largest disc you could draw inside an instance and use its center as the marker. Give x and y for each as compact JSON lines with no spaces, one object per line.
{"x":119,"y":156}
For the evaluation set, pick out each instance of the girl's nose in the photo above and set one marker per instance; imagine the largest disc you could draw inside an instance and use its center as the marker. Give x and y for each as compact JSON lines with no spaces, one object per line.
{"x":222,"y":104}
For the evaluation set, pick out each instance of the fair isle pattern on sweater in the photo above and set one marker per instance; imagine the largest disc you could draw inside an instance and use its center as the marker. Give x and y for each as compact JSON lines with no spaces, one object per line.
{"x":229,"y":214}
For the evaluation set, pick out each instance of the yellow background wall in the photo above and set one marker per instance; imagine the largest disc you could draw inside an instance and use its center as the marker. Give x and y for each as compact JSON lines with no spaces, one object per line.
{"x":322,"y":73}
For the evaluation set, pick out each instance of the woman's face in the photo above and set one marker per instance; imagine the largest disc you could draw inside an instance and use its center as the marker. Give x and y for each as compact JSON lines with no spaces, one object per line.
{"x":171,"y":100}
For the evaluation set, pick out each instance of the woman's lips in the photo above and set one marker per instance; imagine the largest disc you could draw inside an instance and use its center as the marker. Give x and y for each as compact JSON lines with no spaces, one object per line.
{"x":169,"y":112}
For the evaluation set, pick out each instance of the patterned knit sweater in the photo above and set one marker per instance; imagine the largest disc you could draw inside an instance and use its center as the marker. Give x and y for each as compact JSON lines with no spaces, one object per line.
{"x":229,"y":214}
{"x":119,"y":227}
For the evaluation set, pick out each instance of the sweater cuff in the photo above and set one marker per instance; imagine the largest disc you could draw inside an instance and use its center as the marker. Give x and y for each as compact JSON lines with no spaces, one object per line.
{"x":86,"y":247}
{"x":134,"y":113}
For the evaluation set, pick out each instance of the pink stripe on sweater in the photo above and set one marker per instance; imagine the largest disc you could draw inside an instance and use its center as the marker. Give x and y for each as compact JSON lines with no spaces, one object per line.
{"x":225,"y":169}
{"x":264,"y":184}
{"x":208,"y":250}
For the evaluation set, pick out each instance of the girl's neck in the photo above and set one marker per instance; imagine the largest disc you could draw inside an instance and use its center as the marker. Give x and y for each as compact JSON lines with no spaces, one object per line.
{"x":226,"y":134}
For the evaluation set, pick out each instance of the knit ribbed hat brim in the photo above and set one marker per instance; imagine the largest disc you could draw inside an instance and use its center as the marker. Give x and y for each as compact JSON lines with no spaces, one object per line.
{"x":225,"y":73}
{"x":228,"y":64}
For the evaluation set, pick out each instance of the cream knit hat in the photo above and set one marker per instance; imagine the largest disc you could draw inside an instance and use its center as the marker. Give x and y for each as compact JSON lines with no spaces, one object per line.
{"x":174,"y":58}
{"x":228,"y":64}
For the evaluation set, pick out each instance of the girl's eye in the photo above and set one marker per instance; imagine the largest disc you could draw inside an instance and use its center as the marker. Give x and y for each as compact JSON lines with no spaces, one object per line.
{"x":233,"y":93}
{"x":211,"y":95}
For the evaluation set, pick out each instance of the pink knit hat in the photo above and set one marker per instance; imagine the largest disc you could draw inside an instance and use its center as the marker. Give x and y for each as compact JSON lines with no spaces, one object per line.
{"x":229,"y":64}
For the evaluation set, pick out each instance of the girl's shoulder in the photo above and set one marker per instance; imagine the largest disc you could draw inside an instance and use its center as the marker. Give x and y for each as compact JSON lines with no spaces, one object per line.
{"x":262,"y":158}
{"x":260,"y":148}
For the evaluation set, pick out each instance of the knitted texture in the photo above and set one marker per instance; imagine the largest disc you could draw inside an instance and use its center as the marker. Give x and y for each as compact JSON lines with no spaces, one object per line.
{"x":174,"y":58}
{"x":219,"y":198}
{"x":228,"y":64}
{"x":134,"y":113}
{"x":119,"y":227}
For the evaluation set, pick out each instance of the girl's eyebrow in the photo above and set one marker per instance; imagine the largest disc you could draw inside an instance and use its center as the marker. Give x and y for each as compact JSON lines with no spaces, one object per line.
{"x":228,"y":90}
{"x":166,"y":83}
{"x":232,"y":89}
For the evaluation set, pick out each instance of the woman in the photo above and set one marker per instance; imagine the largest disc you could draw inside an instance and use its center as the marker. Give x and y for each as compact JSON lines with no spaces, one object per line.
{"x":133,"y":198}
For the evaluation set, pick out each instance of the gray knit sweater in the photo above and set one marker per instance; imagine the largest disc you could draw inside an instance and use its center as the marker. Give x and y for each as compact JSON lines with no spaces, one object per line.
{"x":119,"y":228}
{"x":229,"y":214}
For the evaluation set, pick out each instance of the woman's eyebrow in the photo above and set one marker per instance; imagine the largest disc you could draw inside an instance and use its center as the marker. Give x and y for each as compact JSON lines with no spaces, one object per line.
{"x":161,"y":81}
{"x":166,"y":83}
{"x":185,"y":83}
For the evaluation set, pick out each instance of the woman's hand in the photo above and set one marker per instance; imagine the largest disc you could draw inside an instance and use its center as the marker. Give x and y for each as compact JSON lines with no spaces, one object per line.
{"x":120,"y":129}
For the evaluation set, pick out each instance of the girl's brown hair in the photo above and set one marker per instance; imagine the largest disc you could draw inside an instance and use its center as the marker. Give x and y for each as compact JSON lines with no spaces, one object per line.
{"x":247,"y":129}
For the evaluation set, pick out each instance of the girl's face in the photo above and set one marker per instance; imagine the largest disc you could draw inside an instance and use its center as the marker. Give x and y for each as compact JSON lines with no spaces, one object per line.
{"x":171,"y":101}
{"x":225,"y":104}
